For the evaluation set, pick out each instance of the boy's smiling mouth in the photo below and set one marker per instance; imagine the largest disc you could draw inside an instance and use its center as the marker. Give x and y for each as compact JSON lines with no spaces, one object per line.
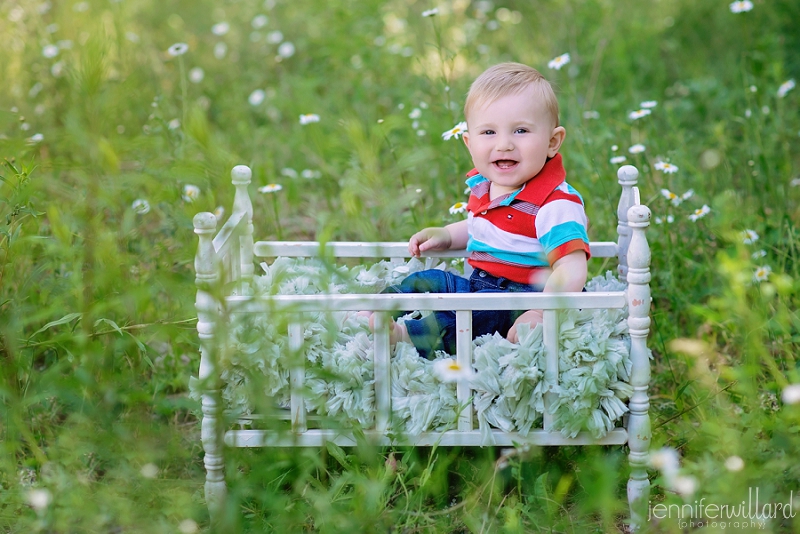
{"x":505,"y":164}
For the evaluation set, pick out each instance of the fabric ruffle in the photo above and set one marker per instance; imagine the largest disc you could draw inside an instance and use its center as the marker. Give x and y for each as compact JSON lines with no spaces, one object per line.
{"x":508,"y":382}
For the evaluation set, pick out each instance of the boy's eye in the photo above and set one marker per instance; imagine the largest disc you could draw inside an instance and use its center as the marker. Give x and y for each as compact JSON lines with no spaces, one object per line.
{"x":488,"y":132}
{"x":521,"y":130}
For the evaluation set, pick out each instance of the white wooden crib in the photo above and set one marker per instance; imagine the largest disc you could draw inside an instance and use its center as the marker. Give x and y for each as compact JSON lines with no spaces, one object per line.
{"x":224,"y":266}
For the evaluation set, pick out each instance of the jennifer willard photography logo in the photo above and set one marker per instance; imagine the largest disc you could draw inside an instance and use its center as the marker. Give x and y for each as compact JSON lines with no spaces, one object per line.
{"x":749,"y":514}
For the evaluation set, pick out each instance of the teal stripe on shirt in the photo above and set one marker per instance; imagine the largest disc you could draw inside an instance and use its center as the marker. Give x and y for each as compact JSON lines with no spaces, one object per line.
{"x":563,"y":233}
{"x":529,"y":259}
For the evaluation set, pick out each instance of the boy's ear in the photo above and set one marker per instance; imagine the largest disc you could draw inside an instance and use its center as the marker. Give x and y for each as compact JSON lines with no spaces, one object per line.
{"x":556,"y":138}
{"x":465,"y":135}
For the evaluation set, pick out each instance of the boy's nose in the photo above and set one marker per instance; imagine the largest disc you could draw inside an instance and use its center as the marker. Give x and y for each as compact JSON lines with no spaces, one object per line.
{"x":504,"y":144}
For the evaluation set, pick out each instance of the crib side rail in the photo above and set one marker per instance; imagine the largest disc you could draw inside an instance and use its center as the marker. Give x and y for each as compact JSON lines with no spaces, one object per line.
{"x":425,"y":301}
{"x":387,"y":249}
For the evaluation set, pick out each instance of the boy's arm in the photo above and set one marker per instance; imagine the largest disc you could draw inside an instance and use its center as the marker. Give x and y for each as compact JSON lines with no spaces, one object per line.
{"x":569,"y":274}
{"x":452,"y":236}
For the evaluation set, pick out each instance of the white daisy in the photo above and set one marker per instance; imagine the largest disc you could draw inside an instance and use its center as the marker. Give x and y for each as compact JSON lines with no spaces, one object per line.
{"x":637,"y":149}
{"x":791,"y":394}
{"x":219,"y":213}
{"x":795,"y":182}
{"x":256,"y":97}
{"x":289,"y":172}
{"x":758,"y":254}
{"x":616,"y":160}
{"x":174,"y":124}
{"x":270,"y":188}
{"x":684,"y":485}
{"x":455,"y":131}
{"x":749,"y":237}
{"x":458,"y":207}
{"x":140,"y":206}
{"x":614,"y":148}
{"x":220,"y":28}
{"x":286,"y":50}
{"x":178,"y":49}
{"x":560,"y":61}
{"x":591,"y":114}
{"x":638,"y":114}
{"x":308,"y":118}
{"x":274,"y":37}
{"x":741,"y":6}
{"x":449,"y":370}
{"x":196,"y":75}
{"x":188,"y":526}
{"x":700,"y":213}
{"x":672,"y":197}
{"x":431,"y":12}
{"x":415,"y":113}
{"x":665,"y":460}
{"x":667,"y":168}
{"x":648,"y":104}
{"x":310,"y":174}
{"x":761,"y":274}
{"x":35,"y":138}
{"x":220,"y":50}
{"x":190,"y":193}
{"x":688,"y":194}
{"x":785,"y":87}
{"x":734,"y":464}
{"x":50,"y":51}
{"x":39,"y":499}
{"x":149,"y":470}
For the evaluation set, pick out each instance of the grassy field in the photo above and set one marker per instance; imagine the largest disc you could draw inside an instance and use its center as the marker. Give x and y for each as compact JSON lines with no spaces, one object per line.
{"x":113,"y":138}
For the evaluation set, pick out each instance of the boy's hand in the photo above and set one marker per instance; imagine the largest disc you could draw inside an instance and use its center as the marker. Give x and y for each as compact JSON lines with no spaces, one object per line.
{"x":434,"y":238}
{"x":453,"y":236}
{"x":531,"y":317}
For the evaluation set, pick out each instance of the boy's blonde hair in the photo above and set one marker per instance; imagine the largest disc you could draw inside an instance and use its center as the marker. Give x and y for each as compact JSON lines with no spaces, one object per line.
{"x":507,"y":79}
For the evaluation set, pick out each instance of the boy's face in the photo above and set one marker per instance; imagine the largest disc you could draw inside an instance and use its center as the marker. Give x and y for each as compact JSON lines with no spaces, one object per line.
{"x":511,"y":138}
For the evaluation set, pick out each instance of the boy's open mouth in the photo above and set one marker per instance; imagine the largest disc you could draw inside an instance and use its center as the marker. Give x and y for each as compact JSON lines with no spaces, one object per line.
{"x":505,"y":163}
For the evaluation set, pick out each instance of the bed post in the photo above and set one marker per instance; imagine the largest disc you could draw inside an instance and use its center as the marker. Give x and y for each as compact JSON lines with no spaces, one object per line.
{"x":207,"y":278}
{"x":627,"y":176}
{"x":240,"y":178}
{"x":638,"y":294}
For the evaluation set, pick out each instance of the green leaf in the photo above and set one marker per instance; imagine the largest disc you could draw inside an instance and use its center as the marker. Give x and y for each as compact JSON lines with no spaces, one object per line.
{"x":64,"y":320}
{"x":338,"y":453}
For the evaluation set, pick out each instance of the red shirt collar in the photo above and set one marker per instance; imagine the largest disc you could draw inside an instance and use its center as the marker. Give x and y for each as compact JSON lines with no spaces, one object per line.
{"x":538,"y":188}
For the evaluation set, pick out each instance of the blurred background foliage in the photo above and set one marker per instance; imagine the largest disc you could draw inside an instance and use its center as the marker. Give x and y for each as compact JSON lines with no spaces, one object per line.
{"x":96,"y":295}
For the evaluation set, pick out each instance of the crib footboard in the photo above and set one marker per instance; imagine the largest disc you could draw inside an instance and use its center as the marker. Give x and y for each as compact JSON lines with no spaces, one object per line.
{"x":224,"y":265}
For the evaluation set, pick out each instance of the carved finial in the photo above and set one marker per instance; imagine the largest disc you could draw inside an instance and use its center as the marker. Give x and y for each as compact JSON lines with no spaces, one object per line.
{"x":628,"y":173}
{"x":204,"y":222}
{"x":241,"y":174}
{"x":639,"y":215}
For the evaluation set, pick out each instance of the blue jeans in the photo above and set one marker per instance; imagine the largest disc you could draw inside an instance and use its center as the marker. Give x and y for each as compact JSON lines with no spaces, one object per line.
{"x":437,"y":331}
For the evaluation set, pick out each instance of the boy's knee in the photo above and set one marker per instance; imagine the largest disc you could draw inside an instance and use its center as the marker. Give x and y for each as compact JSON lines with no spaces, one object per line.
{"x":430,"y":281}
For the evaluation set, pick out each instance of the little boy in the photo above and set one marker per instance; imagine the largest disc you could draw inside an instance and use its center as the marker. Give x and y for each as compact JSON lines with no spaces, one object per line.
{"x":526,"y":227}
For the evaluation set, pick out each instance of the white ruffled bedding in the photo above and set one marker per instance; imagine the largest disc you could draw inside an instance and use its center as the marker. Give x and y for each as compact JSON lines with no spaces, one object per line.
{"x":508,"y":382}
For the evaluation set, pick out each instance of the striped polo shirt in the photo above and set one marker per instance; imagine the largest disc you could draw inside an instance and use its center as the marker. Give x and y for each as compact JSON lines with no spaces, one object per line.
{"x":517,"y":234}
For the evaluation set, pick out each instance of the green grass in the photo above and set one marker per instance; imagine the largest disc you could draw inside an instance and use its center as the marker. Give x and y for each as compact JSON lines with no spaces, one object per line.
{"x":96,"y":301}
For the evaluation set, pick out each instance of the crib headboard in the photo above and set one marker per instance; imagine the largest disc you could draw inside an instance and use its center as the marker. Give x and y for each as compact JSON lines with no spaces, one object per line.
{"x":231,"y":253}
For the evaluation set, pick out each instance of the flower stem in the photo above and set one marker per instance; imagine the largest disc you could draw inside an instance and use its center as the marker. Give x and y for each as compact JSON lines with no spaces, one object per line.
{"x":277,"y":217}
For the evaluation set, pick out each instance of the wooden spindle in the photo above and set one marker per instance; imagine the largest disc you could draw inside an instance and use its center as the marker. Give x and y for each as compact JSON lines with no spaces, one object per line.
{"x":550,"y":341}
{"x":464,"y":360}
{"x":383,"y":394}
{"x":627,"y":176}
{"x":297,"y":378}
{"x":206,"y":280}
{"x":240,"y":178}
{"x":638,"y":294}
